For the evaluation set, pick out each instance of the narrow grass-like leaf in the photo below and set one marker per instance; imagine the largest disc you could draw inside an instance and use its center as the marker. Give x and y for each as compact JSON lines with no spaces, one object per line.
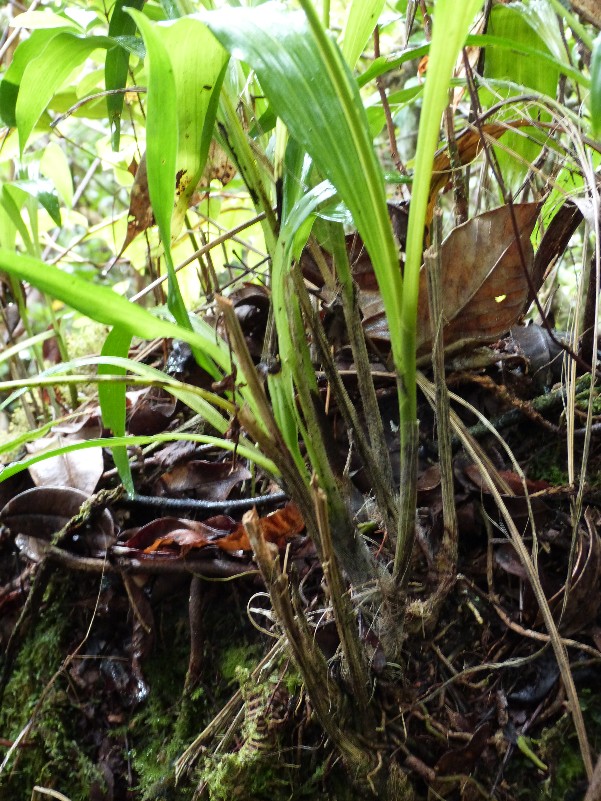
{"x":198,"y":400}
{"x":45,"y":72}
{"x":116,"y":63}
{"x":384,"y":64}
{"x":252,"y":454}
{"x":361,"y":20}
{"x":451,"y":24}
{"x":595,"y":97}
{"x":105,"y":306}
{"x":281,"y":386}
{"x":306,"y":79}
{"x":111,"y":397}
{"x":12,"y":209}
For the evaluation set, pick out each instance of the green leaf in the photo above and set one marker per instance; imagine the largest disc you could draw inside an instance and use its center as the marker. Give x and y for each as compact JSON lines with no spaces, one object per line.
{"x":595,"y":97}
{"x":515,"y":46}
{"x":385,"y":64}
{"x":306,"y":79}
{"x":252,"y":454}
{"x":518,"y":149}
{"x":42,"y":19}
{"x":133,"y":45}
{"x":198,"y":62}
{"x":451,"y":25}
{"x":45,"y":193}
{"x":116,"y":63}
{"x":46,"y":72}
{"x":13,"y":211}
{"x":161,"y":149}
{"x":54,"y":164}
{"x":186,"y":68}
{"x":111,"y":397}
{"x":107,"y":307}
{"x":361,"y":20}
{"x":9,"y":87}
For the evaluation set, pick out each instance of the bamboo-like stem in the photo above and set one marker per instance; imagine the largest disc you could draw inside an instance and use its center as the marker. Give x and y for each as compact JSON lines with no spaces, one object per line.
{"x":447,"y":555}
{"x":349,"y":546}
{"x":373,"y":418}
{"x":409,"y":430}
{"x":383,"y":492}
{"x":325,"y":695}
{"x":344,"y":614}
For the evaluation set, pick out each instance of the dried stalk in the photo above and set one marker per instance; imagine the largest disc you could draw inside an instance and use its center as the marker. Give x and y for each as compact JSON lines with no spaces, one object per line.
{"x":475,"y":453}
{"x":350,"y":548}
{"x":375,"y":428}
{"x":325,"y":695}
{"x":344,"y":614}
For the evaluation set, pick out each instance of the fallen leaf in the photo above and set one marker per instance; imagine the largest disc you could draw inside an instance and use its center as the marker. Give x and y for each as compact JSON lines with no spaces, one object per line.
{"x":211,"y":481}
{"x":484,"y":285}
{"x":468,"y":145}
{"x":151,"y":412}
{"x":39,"y":513}
{"x":80,"y":470}
{"x":179,"y":536}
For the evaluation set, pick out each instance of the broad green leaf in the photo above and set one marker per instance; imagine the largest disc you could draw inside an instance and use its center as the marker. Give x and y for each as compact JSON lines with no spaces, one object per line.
{"x":42,"y":19}
{"x":595,"y":97}
{"x":529,"y":71}
{"x":55,"y":166}
{"x":361,"y":20}
{"x":198,"y":62}
{"x":116,"y":63}
{"x":161,"y":150}
{"x":524,"y":48}
{"x":46,"y":72}
{"x":45,"y":193}
{"x":111,"y":397}
{"x":133,"y":45}
{"x":9,"y":87}
{"x":107,"y":307}
{"x":306,"y":79}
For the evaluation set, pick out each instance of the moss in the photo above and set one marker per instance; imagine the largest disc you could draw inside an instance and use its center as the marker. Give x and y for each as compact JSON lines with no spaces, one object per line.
{"x":52,"y":755}
{"x":238,"y":661}
{"x":549,"y":464}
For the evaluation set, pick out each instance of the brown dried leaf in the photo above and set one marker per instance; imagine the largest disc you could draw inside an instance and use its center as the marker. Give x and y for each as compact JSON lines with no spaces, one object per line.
{"x":179,"y":536}
{"x":141,"y":217}
{"x":484,"y":286}
{"x":80,"y":470}
{"x":41,"y":512}
{"x":469,"y":145}
{"x":211,"y":481}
